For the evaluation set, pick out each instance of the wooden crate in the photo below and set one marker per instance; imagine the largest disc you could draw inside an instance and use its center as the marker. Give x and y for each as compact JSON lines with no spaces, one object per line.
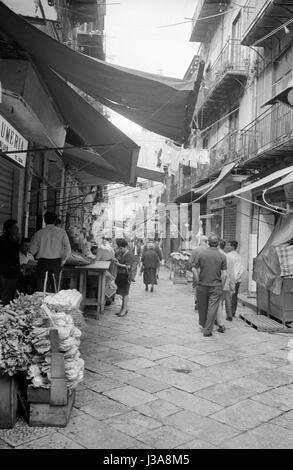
{"x":8,"y":401}
{"x":43,"y":413}
{"x":52,"y":407}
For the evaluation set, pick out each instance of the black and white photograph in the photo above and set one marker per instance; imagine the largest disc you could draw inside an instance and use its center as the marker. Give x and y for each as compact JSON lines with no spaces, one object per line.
{"x":146,"y":228}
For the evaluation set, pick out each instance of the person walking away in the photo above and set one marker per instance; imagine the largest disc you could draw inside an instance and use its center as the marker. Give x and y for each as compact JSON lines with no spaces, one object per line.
{"x":124,"y":262}
{"x":224,"y":310}
{"x":9,"y":261}
{"x":27,"y":280}
{"x":203,"y":243}
{"x":238,"y":270}
{"x":136,"y":253}
{"x":150,"y":262}
{"x":51,"y":247}
{"x":160,"y":255}
{"x":211,"y":268}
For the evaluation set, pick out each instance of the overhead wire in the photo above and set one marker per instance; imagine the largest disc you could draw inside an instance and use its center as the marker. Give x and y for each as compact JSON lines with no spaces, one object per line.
{"x":198,"y":19}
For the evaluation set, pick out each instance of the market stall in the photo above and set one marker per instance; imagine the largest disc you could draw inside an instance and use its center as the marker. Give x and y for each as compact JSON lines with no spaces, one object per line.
{"x":98,"y":269}
{"x":179,"y":266}
{"x":40,"y":363}
{"x":273,"y":272}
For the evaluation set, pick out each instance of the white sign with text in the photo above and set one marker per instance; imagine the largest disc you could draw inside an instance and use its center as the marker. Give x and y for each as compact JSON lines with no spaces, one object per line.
{"x":11,"y":139}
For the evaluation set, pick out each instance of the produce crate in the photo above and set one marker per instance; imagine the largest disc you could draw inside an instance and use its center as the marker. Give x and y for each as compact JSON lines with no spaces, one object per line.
{"x":8,"y":401}
{"x":13,"y":391}
{"x":52,"y":406}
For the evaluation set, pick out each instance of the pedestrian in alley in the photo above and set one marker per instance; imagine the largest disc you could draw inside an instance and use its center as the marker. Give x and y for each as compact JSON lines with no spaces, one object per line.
{"x":124,"y":261}
{"x":136,"y":250}
{"x":9,"y":261}
{"x":150,"y":262}
{"x":51,"y":248}
{"x":224,"y":310}
{"x":211,"y":268}
{"x":238,"y":270}
{"x":203,"y":243}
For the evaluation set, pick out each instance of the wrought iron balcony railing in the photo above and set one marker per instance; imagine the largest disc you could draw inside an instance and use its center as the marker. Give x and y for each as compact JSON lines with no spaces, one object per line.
{"x":272,"y":129}
{"x":234,"y":59}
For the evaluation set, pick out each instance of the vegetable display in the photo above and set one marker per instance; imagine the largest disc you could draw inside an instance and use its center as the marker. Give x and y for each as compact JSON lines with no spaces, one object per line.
{"x":25,"y":341}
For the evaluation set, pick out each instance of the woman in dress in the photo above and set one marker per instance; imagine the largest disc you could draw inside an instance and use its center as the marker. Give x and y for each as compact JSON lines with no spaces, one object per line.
{"x":150,"y":263}
{"x":124,"y":261}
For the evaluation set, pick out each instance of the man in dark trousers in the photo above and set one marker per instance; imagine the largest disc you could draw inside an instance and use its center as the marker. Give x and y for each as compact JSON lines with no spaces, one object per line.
{"x":9,"y":261}
{"x":211,"y":267}
{"x":51,"y":247}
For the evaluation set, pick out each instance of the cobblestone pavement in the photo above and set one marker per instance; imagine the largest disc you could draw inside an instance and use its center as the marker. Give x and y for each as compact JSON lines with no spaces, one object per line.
{"x":153,"y":381}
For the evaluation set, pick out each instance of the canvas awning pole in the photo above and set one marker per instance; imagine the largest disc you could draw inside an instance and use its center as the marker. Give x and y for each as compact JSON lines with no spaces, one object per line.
{"x":259,"y":205}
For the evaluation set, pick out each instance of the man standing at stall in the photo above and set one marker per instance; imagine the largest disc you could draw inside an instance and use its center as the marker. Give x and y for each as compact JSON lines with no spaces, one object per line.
{"x":211,"y":268}
{"x":51,"y":247}
{"x":9,"y":261}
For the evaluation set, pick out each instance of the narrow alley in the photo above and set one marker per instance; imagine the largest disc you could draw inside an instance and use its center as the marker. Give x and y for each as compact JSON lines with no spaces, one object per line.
{"x":152,"y":381}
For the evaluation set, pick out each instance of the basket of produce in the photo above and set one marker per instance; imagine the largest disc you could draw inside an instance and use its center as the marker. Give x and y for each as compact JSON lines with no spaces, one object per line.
{"x":26,"y":348}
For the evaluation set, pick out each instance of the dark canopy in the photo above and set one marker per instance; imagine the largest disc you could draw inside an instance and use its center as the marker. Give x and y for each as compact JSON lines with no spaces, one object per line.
{"x":161,"y":104}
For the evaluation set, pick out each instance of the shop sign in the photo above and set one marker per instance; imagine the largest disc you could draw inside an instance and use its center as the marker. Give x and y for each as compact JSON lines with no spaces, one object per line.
{"x":11,"y":140}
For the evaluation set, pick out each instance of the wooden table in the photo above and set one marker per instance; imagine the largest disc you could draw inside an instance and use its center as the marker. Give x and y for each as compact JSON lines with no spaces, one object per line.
{"x":98,"y":268}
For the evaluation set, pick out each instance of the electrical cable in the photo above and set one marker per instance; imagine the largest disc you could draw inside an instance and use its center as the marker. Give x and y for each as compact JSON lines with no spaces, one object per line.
{"x":198,"y":19}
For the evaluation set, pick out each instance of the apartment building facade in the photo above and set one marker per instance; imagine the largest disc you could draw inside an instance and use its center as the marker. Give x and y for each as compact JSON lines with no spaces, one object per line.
{"x":247,"y":47}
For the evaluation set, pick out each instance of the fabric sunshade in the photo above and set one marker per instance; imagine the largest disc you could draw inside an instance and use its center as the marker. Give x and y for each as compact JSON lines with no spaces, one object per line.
{"x":161,"y":104}
{"x":288,"y":179}
{"x":224,"y":172}
{"x":90,"y":163}
{"x":151,"y":175}
{"x":258,"y":183}
{"x":202,"y":189}
{"x":114,"y":147}
{"x":285,"y":96}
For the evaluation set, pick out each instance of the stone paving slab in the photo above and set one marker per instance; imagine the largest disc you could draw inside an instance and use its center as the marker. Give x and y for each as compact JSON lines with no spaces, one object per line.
{"x":130,"y":396}
{"x":246,"y":414}
{"x":189,"y":402}
{"x":281,"y":398}
{"x":53,"y":441}
{"x":158,"y":409}
{"x":225,"y":394}
{"x":93,"y":434}
{"x":136,"y":364}
{"x":133,"y":423}
{"x":166,"y":437}
{"x":201,"y":427}
{"x":103,"y":408}
{"x":148,"y":384}
{"x":267,"y":436}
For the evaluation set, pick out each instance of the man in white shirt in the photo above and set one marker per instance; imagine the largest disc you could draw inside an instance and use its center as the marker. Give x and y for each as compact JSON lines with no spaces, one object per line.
{"x":238,"y":270}
{"x":51,"y":247}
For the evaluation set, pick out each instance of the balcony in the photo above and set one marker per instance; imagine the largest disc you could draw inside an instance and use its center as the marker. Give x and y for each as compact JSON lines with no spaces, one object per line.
{"x":225,"y":151}
{"x":268,"y":138}
{"x":263,"y":16}
{"x":265,"y":142}
{"x":200,"y":27}
{"x":222,"y":83}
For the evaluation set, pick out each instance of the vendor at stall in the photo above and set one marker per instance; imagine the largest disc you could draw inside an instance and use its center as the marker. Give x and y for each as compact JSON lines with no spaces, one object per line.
{"x":51,"y":247}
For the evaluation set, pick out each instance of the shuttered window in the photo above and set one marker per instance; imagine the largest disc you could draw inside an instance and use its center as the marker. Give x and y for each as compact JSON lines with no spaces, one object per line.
{"x":230,"y":217}
{"x":6,"y":190}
